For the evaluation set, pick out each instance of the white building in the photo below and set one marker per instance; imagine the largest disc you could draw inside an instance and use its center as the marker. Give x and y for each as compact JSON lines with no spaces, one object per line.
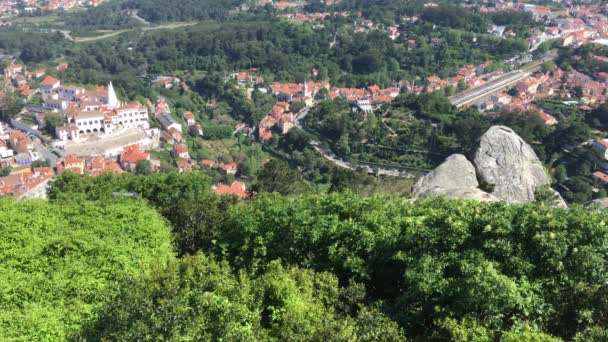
{"x":88,"y":122}
{"x":5,"y":152}
{"x":68,"y":132}
{"x":132,"y":115}
{"x":59,"y":98}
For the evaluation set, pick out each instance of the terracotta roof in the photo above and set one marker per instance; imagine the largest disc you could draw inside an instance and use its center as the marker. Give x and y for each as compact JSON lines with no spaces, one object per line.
{"x":229,"y":166}
{"x":72,"y":159}
{"x":133,"y":154}
{"x":49,"y":81}
{"x":180,"y":148}
{"x":208,"y":162}
{"x":265,"y":134}
{"x":47,"y":171}
{"x":601,"y":176}
{"x":235,"y":189}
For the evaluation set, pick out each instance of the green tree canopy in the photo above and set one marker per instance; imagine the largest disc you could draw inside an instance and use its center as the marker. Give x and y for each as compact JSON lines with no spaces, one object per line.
{"x":61,"y":263}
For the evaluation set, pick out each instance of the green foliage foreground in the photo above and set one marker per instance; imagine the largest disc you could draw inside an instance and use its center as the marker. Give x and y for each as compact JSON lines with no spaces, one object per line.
{"x":491,"y":267}
{"x":60,"y":263}
{"x":330,"y":267}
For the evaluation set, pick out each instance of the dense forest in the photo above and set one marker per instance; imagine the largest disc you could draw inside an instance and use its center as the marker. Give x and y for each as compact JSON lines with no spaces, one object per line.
{"x":322,"y":266}
{"x":117,"y":14}
{"x":420,"y":131}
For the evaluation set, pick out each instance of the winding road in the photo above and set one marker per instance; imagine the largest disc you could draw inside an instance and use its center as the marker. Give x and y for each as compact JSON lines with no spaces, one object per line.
{"x":334,"y":159}
{"x":69,"y":36}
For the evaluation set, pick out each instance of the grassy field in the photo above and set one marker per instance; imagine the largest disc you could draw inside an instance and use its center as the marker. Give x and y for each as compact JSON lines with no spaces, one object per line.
{"x":219,"y":149}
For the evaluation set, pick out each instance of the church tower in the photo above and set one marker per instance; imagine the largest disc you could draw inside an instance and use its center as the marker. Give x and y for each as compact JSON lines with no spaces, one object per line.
{"x":112,"y":99}
{"x":306,"y":89}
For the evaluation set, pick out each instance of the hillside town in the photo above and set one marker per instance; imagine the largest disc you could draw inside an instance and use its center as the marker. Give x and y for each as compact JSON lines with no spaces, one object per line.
{"x":90,"y":129}
{"x":13,"y":8}
{"x":304,"y":170}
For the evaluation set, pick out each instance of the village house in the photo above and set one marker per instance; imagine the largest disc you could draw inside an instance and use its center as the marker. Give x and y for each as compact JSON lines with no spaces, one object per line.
{"x":286,"y":123}
{"x":71,"y":163}
{"x":245,"y":78}
{"x":547,"y":118}
{"x":5,"y":152}
{"x":189,"y":118}
{"x":62,"y":67}
{"x":600,"y":176}
{"x":130,"y":156}
{"x":19,"y":184}
{"x":20,"y":142}
{"x":99,"y":165}
{"x":23,"y":159}
{"x":208,"y":163}
{"x":12,"y":70}
{"x":528,"y":85}
{"x":235,"y":189}
{"x":162,"y":107}
{"x":173,"y":136}
{"x":393,"y":32}
{"x":167,"y":82}
{"x":229,"y":168}
{"x":180,"y":151}
{"x":48,"y":85}
{"x":185,"y":165}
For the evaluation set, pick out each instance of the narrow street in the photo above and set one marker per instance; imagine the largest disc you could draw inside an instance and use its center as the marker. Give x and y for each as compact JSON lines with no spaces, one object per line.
{"x":45,"y":153}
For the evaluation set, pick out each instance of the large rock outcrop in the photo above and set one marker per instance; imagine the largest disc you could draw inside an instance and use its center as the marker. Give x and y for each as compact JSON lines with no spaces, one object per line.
{"x":455,"y":178}
{"x":507,"y":167}
{"x":507,"y":163}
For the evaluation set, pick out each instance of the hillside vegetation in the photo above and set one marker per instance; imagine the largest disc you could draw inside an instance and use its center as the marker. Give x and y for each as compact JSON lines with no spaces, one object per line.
{"x":345,"y":267}
{"x":60,"y":263}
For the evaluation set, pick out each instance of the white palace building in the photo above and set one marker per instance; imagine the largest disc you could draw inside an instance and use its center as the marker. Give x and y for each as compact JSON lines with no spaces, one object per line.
{"x":91,"y":111}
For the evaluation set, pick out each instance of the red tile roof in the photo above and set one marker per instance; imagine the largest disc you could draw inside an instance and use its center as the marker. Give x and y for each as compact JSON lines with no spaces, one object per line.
{"x":229,"y":167}
{"x":180,"y":148}
{"x":601,"y":176}
{"x":132,"y":154}
{"x":72,"y":159}
{"x":208,"y":162}
{"x":265,"y":134}
{"x":49,"y":81}
{"x":235,"y":189}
